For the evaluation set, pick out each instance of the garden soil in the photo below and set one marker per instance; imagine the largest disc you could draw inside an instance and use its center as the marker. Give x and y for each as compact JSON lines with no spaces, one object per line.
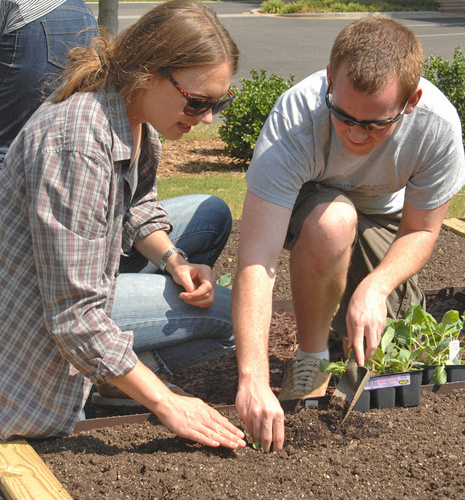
{"x":391,"y":453}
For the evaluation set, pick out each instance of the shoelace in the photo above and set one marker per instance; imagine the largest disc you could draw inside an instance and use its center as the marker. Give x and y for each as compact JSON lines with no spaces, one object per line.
{"x":303,"y":374}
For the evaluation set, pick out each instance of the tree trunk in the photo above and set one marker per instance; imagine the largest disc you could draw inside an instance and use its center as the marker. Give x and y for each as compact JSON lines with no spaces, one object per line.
{"x":108,"y":15}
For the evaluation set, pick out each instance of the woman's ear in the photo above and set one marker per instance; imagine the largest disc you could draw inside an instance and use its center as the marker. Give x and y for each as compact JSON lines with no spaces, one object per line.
{"x":150,"y":81}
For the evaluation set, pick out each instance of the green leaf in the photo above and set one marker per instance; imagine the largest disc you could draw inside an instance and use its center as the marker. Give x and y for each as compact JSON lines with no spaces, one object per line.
{"x":225,"y":281}
{"x":440,"y":375}
{"x":386,"y":338}
{"x":442,"y":346}
{"x":337,"y":368}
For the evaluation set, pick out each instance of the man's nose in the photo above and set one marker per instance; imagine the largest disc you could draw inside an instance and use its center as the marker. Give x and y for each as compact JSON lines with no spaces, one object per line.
{"x":357,"y":134}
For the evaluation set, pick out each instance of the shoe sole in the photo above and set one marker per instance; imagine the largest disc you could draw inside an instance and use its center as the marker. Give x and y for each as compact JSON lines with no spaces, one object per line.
{"x":100,"y":400}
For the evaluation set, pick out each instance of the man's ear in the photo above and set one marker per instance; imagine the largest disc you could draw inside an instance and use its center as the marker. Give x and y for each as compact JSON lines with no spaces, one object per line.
{"x":328,"y":73}
{"x":414,"y":100}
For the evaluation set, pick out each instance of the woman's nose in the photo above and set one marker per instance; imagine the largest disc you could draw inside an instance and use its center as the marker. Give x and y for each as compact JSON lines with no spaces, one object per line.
{"x":207,"y":117}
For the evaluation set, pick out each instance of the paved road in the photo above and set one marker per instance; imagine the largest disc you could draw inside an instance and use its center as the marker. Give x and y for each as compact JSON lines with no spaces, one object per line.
{"x":285,"y":45}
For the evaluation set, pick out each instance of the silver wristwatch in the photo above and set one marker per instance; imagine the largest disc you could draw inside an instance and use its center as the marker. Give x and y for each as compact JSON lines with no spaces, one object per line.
{"x":167,"y":255}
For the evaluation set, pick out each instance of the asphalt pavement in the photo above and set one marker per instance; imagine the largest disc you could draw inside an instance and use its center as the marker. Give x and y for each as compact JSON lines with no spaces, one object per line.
{"x":301,"y":44}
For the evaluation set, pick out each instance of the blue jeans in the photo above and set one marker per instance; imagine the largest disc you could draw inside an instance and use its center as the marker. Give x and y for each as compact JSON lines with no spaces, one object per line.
{"x":168,"y":333}
{"x":34,"y":55}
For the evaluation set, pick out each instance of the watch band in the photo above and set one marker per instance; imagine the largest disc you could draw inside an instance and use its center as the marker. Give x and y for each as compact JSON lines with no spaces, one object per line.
{"x":167,"y":255}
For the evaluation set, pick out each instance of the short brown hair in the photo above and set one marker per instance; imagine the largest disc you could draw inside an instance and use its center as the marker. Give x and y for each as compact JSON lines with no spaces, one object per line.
{"x":175,"y":35}
{"x":375,"y":51}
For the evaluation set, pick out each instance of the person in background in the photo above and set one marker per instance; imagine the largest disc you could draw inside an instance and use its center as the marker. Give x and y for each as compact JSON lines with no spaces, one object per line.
{"x":353,"y":172}
{"x":35,"y":37}
{"x":98,"y":284}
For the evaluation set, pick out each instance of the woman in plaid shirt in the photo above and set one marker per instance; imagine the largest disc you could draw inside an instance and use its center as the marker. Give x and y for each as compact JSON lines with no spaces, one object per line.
{"x":98,"y":283}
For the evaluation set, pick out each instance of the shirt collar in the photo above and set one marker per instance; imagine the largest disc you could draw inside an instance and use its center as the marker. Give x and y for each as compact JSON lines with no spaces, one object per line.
{"x":123,"y":142}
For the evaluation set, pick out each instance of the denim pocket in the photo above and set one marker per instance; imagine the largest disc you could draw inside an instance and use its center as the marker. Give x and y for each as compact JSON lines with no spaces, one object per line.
{"x":64,"y":34}
{"x":8,"y":48}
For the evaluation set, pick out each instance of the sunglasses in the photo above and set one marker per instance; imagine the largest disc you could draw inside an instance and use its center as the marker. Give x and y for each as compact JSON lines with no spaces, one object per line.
{"x":199,"y":105}
{"x":367,"y":125}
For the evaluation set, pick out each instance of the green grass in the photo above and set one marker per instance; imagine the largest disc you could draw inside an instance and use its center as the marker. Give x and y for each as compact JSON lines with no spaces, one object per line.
{"x":228,"y":187}
{"x":202,"y":132}
{"x":457,"y":205}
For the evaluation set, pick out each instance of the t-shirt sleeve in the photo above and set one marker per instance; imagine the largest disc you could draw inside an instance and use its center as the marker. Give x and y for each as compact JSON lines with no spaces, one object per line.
{"x":441,"y":173}
{"x":281,"y":163}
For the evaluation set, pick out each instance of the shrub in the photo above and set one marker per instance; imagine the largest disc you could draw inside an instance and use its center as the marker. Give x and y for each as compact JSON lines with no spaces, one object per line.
{"x":246,"y":116}
{"x":449,"y":77}
{"x":303,"y":6}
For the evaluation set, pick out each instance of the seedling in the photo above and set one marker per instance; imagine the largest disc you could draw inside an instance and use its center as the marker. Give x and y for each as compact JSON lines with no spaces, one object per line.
{"x":417,"y":340}
{"x":225,"y":280}
{"x":337,"y":368}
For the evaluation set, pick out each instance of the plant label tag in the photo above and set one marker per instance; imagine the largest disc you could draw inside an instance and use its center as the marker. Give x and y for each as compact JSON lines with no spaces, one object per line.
{"x":454,"y":350}
{"x":388,"y":381}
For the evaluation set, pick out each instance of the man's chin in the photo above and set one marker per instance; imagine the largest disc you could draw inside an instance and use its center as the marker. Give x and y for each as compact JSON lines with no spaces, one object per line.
{"x":358,"y":149}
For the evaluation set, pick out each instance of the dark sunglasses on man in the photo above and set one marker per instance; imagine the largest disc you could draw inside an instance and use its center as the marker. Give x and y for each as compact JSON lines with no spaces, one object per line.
{"x":198,"y":105}
{"x":367,"y":125}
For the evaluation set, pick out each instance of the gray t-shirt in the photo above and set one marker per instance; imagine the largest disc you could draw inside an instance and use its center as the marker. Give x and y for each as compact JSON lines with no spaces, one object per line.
{"x":422,"y":162}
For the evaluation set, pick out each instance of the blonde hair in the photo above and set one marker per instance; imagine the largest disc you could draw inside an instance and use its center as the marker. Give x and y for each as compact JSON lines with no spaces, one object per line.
{"x":175,"y":35}
{"x":375,"y":51}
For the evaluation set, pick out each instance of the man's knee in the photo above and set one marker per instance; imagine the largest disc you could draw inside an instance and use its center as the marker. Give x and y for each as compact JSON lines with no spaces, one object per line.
{"x":330,"y":228}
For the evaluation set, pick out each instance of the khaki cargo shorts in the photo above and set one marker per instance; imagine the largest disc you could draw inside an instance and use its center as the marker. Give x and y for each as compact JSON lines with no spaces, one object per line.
{"x":375,"y":233}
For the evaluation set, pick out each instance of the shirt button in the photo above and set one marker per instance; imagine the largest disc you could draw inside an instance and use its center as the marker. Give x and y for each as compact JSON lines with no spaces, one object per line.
{"x":76,"y":408}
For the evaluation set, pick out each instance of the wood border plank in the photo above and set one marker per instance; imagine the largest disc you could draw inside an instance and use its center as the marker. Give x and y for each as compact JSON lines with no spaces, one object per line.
{"x":24,"y":475}
{"x":457,"y":225}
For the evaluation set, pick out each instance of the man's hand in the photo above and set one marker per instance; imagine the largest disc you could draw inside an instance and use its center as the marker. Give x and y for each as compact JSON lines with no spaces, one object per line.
{"x":263,"y":415}
{"x":366,"y":317}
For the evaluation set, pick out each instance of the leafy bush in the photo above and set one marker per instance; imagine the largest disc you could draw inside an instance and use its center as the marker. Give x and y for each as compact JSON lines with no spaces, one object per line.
{"x":246,"y":116}
{"x":449,"y":77}
{"x":304,"y":6}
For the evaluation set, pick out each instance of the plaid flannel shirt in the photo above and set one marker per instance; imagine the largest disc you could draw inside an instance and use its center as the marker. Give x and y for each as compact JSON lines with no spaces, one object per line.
{"x":66,"y":217}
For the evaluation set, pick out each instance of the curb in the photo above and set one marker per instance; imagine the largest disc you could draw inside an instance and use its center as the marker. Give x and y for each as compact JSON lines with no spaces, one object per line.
{"x":421,"y":14}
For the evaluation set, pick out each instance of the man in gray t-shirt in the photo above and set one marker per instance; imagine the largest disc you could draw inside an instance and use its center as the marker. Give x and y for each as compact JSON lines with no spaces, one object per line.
{"x":353,"y":172}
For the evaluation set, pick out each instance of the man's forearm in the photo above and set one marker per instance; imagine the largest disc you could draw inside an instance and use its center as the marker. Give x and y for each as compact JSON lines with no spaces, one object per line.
{"x":411,"y":249}
{"x":405,"y":258}
{"x":251,"y":315}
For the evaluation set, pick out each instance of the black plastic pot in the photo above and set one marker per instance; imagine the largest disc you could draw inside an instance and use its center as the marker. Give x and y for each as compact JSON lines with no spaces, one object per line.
{"x":410,"y":395}
{"x":363,"y":403}
{"x":428,"y":371}
{"x":383,"y":398}
{"x":396,"y":389}
{"x":455,"y":373}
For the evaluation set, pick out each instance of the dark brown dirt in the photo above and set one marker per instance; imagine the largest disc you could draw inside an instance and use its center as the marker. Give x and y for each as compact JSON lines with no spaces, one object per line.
{"x":396,"y":453}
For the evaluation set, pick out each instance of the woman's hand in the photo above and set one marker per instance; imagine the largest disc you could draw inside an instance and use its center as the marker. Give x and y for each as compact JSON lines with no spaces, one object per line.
{"x":191,"y":418}
{"x":198,"y":281}
{"x":187,"y":416}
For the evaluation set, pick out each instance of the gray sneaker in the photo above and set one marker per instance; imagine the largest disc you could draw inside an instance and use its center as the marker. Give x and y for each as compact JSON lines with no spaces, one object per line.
{"x":303,"y":379}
